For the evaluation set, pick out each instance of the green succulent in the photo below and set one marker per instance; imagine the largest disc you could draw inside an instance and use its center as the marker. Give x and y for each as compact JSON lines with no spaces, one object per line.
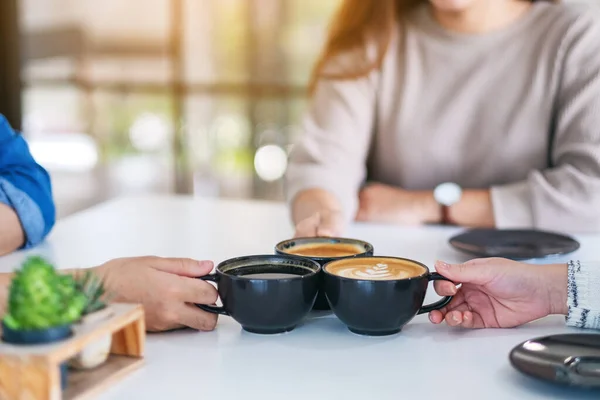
{"x":92,"y":287}
{"x":41,"y":298}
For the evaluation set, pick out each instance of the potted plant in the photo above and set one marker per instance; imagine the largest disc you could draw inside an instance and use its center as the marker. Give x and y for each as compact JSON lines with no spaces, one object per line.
{"x":96,"y":309}
{"x":42,"y":306}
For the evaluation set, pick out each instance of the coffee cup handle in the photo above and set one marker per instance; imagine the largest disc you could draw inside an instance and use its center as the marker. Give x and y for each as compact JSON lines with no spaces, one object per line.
{"x":207,"y":308}
{"x":434,"y":276}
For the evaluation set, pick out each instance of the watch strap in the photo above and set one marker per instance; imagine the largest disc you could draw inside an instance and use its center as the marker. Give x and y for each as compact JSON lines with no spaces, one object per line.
{"x":445,"y":215}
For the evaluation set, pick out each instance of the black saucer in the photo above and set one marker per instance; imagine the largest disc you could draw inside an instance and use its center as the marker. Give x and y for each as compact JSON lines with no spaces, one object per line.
{"x":570,"y":359}
{"x":516,"y":244}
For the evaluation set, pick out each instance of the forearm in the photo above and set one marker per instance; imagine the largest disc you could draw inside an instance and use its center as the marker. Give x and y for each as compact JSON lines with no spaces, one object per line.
{"x":402,"y":206}
{"x":309,"y":202}
{"x":473,"y":210}
{"x":25,"y":187}
{"x":12,"y":236}
{"x":4,"y":285}
{"x":555,"y":279}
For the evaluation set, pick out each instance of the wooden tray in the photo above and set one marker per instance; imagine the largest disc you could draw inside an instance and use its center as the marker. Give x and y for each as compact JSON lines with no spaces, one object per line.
{"x":32,"y":372}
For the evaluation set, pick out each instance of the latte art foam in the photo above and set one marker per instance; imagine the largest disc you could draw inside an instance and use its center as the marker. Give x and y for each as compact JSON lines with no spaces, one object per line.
{"x":379,"y":271}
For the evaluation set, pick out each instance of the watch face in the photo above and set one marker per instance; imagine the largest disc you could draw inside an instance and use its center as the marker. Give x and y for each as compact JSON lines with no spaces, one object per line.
{"x":447,"y":193}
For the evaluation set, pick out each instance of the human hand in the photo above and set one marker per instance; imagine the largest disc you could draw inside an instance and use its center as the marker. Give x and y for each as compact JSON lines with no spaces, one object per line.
{"x":499,"y":293}
{"x":388,"y":204}
{"x":166,"y":287}
{"x":321,"y":224}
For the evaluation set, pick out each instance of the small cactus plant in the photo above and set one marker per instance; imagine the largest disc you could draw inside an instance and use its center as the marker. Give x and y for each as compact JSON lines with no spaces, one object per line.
{"x":93,"y":289}
{"x":40,"y":298}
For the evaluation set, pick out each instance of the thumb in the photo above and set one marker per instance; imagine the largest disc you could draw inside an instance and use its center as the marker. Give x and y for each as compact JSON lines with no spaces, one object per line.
{"x":308,"y":226}
{"x":330,"y":225}
{"x":326,"y":231}
{"x":184,"y":266}
{"x":463,"y":273}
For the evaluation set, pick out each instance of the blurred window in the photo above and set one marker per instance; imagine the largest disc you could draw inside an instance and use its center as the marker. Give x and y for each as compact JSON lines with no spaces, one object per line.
{"x":209,"y":91}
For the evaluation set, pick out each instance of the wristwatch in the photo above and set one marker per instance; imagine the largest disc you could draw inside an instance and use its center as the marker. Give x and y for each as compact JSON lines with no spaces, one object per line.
{"x":446,"y":195}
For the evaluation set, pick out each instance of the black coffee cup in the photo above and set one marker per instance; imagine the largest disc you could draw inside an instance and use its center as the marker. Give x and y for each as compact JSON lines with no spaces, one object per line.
{"x":377,"y":296}
{"x":347,"y":248}
{"x":267,"y":293}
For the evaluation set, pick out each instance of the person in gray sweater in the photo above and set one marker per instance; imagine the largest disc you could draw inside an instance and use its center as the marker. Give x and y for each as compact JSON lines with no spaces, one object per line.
{"x":499,"y":293}
{"x":479,"y":113}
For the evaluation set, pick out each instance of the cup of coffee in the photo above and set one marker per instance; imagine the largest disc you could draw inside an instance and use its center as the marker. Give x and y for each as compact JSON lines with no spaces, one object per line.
{"x":267,"y":293}
{"x":324,"y":250}
{"x":377,"y":296}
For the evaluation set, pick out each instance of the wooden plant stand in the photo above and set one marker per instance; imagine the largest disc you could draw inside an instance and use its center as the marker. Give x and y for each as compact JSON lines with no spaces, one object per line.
{"x":32,"y":372}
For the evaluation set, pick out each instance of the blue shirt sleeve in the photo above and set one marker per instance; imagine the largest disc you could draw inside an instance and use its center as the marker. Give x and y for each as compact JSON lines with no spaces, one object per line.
{"x":25,"y":186}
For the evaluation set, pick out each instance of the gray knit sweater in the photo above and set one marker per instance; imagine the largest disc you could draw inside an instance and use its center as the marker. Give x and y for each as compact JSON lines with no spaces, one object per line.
{"x":479,"y":110}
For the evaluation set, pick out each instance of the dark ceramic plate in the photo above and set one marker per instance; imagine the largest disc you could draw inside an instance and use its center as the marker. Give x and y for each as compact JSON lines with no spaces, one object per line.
{"x":515,"y":244}
{"x":572,"y":359}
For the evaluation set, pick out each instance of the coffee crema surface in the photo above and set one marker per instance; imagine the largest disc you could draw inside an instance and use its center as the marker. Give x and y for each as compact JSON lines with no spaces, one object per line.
{"x":325,"y":250}
{"x":376,"y":269}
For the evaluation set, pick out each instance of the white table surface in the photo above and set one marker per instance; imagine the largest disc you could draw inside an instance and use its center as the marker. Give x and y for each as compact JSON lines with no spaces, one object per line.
{"x":319,"y":360}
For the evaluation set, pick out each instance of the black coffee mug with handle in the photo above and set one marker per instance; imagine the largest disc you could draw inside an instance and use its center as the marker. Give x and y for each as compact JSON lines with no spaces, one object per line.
{"x":374,"y":304}
{"x":265,"y":294}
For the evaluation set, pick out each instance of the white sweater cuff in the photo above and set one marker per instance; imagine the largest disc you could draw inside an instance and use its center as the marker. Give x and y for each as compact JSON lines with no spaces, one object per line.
{"x":584,"y":295}
{"x":512,"y":206}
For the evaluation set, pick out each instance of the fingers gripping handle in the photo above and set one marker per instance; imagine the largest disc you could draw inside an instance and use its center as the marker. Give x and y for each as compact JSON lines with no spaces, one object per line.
{"x":207,"y":308}
{"x":434,"y":276}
